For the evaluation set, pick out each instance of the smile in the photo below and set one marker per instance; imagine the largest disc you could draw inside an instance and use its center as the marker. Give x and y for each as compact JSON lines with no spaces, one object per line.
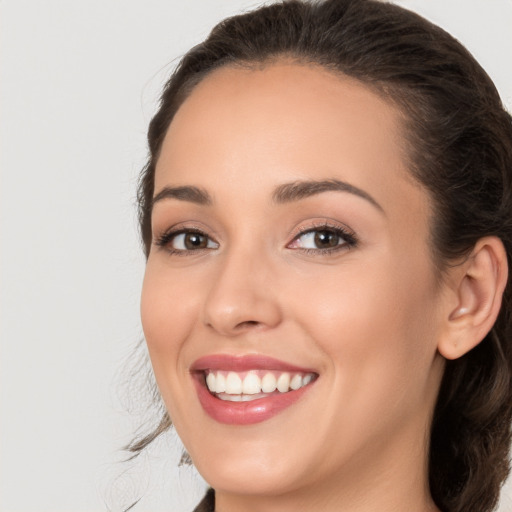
{"x":254,"y":384}
{"x":248,"y":389}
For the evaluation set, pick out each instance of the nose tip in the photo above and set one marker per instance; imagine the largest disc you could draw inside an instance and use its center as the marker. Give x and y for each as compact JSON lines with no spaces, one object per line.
{"x":236,"y":305}
{"x":244,"y":316}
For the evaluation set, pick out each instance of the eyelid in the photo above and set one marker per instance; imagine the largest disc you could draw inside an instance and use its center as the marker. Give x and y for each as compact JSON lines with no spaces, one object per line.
{"x":347,"y":234}
{"x":183,"y":226}
{"x":163,"y":239}
{"x":318,"y":225}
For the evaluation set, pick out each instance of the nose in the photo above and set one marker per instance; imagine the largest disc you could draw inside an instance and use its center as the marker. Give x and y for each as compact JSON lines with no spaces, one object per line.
{"x":242,"y":296}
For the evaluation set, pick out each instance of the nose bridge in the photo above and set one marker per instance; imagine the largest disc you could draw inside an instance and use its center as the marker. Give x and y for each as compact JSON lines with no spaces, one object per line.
{"x":241,"y":295}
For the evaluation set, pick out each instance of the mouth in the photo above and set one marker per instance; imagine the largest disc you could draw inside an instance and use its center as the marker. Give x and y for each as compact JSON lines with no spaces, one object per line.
{"x":248,"y":389}
{"x":254,"y":384}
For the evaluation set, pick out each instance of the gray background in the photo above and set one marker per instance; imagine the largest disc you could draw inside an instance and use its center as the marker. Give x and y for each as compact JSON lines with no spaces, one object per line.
{"x":79,"y":84}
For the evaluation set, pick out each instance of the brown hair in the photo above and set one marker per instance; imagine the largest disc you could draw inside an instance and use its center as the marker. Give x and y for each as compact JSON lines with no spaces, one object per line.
{"x":460,"y":148}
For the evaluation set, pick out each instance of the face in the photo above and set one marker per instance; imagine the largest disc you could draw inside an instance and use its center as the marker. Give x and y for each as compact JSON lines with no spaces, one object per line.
{"x":291,"y":249}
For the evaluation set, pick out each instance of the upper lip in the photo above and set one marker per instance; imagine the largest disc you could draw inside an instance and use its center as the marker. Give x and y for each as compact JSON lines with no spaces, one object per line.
{"x":241,"y":363}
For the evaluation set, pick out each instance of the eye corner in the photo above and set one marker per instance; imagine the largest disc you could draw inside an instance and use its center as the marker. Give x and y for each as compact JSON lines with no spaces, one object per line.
{"x":335,"y":236}
{"x":175,"y":242}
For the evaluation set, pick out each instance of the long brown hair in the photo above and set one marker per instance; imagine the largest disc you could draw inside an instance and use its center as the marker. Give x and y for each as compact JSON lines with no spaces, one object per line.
{"x":459,"y":147}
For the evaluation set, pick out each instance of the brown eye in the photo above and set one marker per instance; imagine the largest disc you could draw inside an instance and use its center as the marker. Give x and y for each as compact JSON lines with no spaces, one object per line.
{"x":187,"y":241}
{"x":195,"y":241}
{"x":326,"y":239}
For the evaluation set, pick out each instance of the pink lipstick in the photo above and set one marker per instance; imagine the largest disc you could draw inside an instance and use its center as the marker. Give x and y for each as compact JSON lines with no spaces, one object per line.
{"x":242,"y":390}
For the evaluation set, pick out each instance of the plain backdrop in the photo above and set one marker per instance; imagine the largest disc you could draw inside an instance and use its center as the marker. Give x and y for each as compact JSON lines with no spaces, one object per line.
{"x":79,"y":84}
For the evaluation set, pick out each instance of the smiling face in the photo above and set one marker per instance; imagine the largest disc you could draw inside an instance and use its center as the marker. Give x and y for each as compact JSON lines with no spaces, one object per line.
{"x":289,"y":239}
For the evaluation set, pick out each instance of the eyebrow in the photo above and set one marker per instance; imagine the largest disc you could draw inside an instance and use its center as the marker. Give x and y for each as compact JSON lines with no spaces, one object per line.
{"x":298,"y":190}
{"x":185,"y":193}
{"x":285,"y":193}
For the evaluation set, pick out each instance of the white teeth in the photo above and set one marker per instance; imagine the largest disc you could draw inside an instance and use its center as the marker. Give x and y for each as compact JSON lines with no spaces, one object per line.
{"x":240,"y":398}
{"x":220,"y":383}
{"x":233,"y":398}
{"x":251,"y":384}
{"x":210,"y":382}
{"x":268,"y":383}
{"x":283,"y":382}
{"x":233,"y":384}
{"x":254,"y":383}
{"x":296,"y":382}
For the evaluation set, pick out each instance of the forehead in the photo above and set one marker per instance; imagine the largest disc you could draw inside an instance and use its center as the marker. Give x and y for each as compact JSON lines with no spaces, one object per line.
{"x":285,"y":122}
{"x":286,"y":107}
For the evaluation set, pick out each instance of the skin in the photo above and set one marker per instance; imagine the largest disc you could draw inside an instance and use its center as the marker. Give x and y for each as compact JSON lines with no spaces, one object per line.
{"x":367,"y":318}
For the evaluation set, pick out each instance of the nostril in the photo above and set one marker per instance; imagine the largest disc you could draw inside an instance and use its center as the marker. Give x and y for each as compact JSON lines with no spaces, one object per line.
{"x":248,"y":323}
{"x":232,"y":312}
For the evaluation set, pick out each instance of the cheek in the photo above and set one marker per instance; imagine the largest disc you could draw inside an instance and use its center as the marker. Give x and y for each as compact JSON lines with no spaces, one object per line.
{"x":376,"y":325}
{"x":169,"y":312}
{"x":168,"y":307}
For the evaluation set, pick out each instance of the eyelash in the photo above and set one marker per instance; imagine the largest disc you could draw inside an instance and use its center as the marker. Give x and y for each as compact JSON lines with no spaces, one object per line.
{"x":167,"y":237}
{"x":349,"y":240}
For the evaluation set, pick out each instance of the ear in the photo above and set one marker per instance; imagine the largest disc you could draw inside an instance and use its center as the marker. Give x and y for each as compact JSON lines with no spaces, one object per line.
{"x":475,"y":299}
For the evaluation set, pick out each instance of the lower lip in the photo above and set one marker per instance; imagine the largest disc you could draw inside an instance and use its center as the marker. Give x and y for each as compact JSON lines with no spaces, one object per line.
{"x":246,"y":413}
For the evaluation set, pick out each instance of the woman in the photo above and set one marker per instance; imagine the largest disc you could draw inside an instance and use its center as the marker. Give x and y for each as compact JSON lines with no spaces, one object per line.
{"x":327,"y":218}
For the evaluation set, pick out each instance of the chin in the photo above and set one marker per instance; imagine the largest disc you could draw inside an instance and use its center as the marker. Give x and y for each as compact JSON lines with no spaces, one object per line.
{"x":252,"y":467}
{"x":262,"y":478}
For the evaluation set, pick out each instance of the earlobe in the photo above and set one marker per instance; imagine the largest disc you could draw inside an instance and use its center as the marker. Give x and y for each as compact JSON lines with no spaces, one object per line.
{"x":479,"y":286}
